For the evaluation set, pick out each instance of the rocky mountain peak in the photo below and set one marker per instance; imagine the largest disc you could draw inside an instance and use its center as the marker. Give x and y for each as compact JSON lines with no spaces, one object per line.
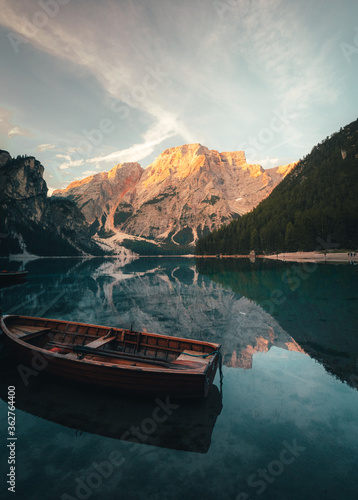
{"x":237,"y":158}
{"x":190,"y":190}
{"x":124,"y":169}
{"x":188,"y":160}
{"x":115,"y":174}
{"x":98,"y":195}
{"x":184,"y":193}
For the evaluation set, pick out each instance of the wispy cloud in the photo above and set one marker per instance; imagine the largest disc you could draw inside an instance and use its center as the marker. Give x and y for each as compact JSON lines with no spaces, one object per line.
{"x":45,"y":147}
{"x":268,"y":162}
{"x":268,"y":37}
{"x":167,"y":126}
{"x":283,"y":51}
{"x":87,"y":173}
{"x":59,"y":37}
{"x":7,"y":126}
{"x":144,"y":77}
{"x":69,"y":162}
{"x":19,"y":131}
{"x":136,"y":153}
{"x":65,"y":157}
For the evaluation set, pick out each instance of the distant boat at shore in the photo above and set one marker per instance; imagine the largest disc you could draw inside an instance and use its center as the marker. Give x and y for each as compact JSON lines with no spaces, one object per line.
{"x":12,"y":277}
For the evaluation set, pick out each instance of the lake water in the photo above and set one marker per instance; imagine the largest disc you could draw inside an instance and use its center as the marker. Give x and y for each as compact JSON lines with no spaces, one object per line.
{"x":283,"y":425}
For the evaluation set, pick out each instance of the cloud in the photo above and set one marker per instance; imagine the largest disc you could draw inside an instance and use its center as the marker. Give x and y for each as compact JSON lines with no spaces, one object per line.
{"x":45,"y":147}
{"x":284,"y":52}
{"x":70,"y":163}
{"x":19,"y":131}
{"x":66,"y":157}
{"x":59,"y":38}
{"x":135,"y":153}
{"x":7,"y":127}
{"x":269,"y":39}
{"x":72,"y":150}
{"x":167,"y":126}
{"x":268,"y":162}
{"x":142,"y":75}
{"x":87,"y":173}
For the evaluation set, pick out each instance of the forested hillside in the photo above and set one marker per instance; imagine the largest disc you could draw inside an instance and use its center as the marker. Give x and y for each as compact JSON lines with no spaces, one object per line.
{"x":317,"y":201}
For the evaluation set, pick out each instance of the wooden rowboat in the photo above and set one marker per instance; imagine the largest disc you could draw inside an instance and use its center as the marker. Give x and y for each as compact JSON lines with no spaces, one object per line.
{"x":12,"y":277}
{"x":138,"y":362}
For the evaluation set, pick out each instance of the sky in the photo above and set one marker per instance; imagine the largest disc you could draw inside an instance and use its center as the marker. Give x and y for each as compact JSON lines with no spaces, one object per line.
{"x":88,"y":84}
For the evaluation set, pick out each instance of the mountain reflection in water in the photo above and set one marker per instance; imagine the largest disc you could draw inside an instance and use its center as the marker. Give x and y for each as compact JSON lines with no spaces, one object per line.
{"x":166,"y":296}
{"x":316,"y":304}
{"x":220,"y":300}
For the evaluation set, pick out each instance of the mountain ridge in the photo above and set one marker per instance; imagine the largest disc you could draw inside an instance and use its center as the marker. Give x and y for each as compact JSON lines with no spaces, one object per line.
{"x":184,"y":193}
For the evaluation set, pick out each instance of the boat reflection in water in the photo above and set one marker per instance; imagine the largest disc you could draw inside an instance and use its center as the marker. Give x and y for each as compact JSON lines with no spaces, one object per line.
{"x":163,"y":421}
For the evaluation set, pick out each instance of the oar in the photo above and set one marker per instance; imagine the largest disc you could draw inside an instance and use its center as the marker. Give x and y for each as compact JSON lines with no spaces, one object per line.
{"x":120,"y":355}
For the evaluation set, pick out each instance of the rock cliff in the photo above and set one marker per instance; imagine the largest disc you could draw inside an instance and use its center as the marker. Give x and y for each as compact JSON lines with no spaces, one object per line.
{"x":99,"y":195}
{"x":31,"y":222}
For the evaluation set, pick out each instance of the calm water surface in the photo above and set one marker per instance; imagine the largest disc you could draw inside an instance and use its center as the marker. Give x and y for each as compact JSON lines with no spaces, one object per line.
{"x":283,"y":425}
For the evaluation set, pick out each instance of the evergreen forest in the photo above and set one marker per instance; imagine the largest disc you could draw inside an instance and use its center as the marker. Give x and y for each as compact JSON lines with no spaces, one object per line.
{"x":314,"y":207}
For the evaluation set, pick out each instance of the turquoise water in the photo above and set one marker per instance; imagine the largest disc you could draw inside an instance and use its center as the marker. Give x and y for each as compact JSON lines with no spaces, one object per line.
{"x":282,"y":426}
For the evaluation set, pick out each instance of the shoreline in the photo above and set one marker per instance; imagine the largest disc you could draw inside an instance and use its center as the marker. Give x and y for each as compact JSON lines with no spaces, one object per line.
{"x":313,"y":256}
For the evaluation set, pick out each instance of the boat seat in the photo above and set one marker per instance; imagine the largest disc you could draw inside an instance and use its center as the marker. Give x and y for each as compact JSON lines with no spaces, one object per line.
{"x":186,"y":356}
{"x":27,"y":332}
{"x":99,"y":342}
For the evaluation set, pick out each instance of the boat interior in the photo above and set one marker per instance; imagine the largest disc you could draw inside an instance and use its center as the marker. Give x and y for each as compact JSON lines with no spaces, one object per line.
{"x":111,"y":345}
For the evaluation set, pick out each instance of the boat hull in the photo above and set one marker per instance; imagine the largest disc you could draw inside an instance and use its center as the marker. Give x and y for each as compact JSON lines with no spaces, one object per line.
{"x":8,"y":278}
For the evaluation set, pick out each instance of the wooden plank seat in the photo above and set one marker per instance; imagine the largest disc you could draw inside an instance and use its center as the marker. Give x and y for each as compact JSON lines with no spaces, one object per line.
{"x":186,"y":356}
{"x":101,"y":341}
{"x":27,"y":332}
